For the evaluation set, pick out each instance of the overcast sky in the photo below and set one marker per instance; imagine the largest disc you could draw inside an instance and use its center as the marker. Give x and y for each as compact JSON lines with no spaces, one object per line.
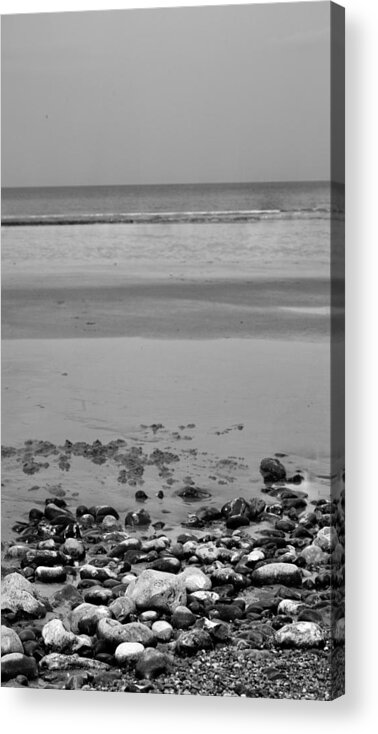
{"x":238,"y":93}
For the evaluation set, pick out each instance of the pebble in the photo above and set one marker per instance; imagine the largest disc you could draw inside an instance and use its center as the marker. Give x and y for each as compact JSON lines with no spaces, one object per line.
{"x":128,"y":653}
{"x":18,"y":596}
{"x":195,"y":579}
{"x":300,"y":634}
{"x":51,"y":575}
{"x":15,"y":663}
{"x":182,"y":618}
{"x":98,"y":595}
{"x":157,"y":590}
{"x":313,"y":555}
{"x":121,"y":608}
{"x":151,"y":664}
{"x":56,"y":661}
{"x":163,"y":631}
{"x":326,"y":539}
{"x":10,"y":641}
{"x":277,"y":573}
{"x":84,"y":618}
{"x":191,"y":641}
{"x":56,"y":637}
{"x":74,"y":548}
{"x":290,"y":607}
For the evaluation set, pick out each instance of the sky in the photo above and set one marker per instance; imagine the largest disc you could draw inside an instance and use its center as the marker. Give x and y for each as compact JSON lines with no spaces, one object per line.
{"x":176,"y":95}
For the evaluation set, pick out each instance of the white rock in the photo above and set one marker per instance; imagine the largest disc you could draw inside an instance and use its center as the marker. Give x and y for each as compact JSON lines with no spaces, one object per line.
{"x":157,"y":590}
{"x":254,"y":556}
{"x":56,"y":637}
{"x":290,"y":607}
{"x":204,"y":596}
{"x":195,"y":579}
{"x":10,"y":641}
{"x":313,"y":555}
{"x":207,"y":553}
{"x":163,"y":631}
{"x":128,"y":652}
{"x":326,"y":539}
{"x":300,"y":634}
{"x":18,"y":596}
{"x":277,"y":573}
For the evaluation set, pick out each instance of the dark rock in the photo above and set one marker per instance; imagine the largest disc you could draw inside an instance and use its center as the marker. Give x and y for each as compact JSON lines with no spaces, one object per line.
{"x":182,"y":618}
{"x":191,"y":641}
{"x":18,"y":664}
{"x":168,"y":564}
{"x":151,"y":664}
{"x":272,"y":471}
{"x":142,"y":517}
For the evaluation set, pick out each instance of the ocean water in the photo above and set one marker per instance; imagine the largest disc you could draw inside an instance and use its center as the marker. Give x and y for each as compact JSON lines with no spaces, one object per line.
{"x":225,"y":228}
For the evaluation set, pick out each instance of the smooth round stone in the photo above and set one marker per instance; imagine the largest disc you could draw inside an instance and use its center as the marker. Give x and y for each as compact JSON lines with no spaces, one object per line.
{"x":16,"y":663}
{"x":10,"y":641}
{"x":128,"y":653}
{"x":56,"y":637}
{"x":183,"y":618}
{"x":97,"y":574}
{"x":168,"y":564}
{"x":326,"y":539}
{"x":163,"y":631}
{"x":50,"y":574}
{"x":277,"y":573}
{"x":189,"y":548}
{"x":300,"y":635}
{"x":290,"y":607}
{"x":313,"y":555}
{"x":74,"y":548}
{"x":138,"y":632}
{"x":254,"y":556}
{"x":207,"y":553}
{"x":48,"y":544}
{"x":195,"y":579}
{"x":86,"y":520}
{"x":98,"y":595}
{"x":150,"y":615}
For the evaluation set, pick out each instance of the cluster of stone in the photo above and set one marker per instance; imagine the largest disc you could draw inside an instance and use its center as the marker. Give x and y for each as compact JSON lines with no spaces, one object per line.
{"x":258,"y":573}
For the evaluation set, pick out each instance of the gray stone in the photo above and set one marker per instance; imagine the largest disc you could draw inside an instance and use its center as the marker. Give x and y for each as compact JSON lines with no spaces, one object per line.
{"x":10,"y":641}
{"x":16,"y":663}
{"x":157,"y":590}
{"x":127,"y":653}
{"x":121,"y":608}
{"x":85,"y":617}
{"x":182,"y":618}
{"x":326,"y":539}
{"x":290,"y":607}
{"x":195,"y":579}
{"x":300,"y":635}
{"x":18,"y":596}
{"x":313,"y":555}
{"x":151,"y":664}
{"x":74,"y":548}
{"x":189,"y":642}
{"x":50,"y":574}
{"x":162,"y":631}
{"x":56,"y":661}
{"x":138,"y":632}
{"x":277,"y":573}
{"x":56,"y":637}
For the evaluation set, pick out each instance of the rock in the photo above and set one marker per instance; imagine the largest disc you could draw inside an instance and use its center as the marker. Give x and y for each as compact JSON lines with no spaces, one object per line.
{"x":98,"y":595}
{"x":104,"y":511}
{"x":56,"y":661}
{"x":97,"y":574}
{"x":149,"y":616}
{"x":207,"y":553}
{"x":157,"y":590}
{"x":151,"y":664}
{"x":253,"y":557}
{"x":313,"y":555}
{"x":110,"y":523}
{"x":256,"y":508}
{"x":142,"y":517}
{"x":85,"y":617}
{"x":138,"y":632}
{"x":127,"y":653}
{"x":74,"y":548}
{"x":326,"y":539}
{"x":277,"y":573}
{"x":290,"y":607}
{"x":113,"y":632}
{"x":51,"y":575}
{"x":205,"y":596}
{"x":18,"y":551}
{"x":10,"y":641}
{"x":227,"y":575}
{"x":68,"y":596}
{"x":191,"y":641}
{"x":167,"y":564}
{"x":182,"y":618}
{"x":272,"y":471}
{"x":18,"y":596}
{"x":56,"y":637}
{"x":237,"y":521}
{"x":121,"y":608}
{"x":162,"y":631}
{"x":300,"y":634}
{"x":15,"y":663}
{"x":195,"y":579}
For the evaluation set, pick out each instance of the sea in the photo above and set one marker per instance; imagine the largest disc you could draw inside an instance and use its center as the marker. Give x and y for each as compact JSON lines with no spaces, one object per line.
{"x":244,"y":226}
